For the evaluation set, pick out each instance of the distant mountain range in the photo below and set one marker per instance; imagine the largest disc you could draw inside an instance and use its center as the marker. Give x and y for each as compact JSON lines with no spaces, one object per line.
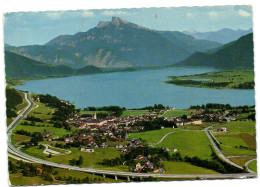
{"x":238,"y":54}
{"x":18,"y":66}
{"x":222,"y":36}
{"x":117,"y":43}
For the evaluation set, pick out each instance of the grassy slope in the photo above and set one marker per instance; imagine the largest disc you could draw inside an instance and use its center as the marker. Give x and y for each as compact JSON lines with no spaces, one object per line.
{"x":191,"y":143}
{"x":185,"y":168}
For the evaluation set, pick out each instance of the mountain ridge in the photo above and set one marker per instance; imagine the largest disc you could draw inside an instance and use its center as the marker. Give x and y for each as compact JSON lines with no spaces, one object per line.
{"x":223,"y":36}
{"x":237,"y":54}
{"x":117,"y":43}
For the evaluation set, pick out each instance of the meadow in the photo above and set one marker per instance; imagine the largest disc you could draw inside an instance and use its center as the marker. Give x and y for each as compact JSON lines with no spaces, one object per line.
{"x":177,"y":112}
{"x":152,"y":136}
{"x":134,"y":113}
{"x":190,"y":143}
{"x":185,"y":168}
{"x":90,"y":160}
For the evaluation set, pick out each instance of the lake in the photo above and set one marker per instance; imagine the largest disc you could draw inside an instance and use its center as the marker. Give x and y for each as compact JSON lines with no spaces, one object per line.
{"x":136,"y":89}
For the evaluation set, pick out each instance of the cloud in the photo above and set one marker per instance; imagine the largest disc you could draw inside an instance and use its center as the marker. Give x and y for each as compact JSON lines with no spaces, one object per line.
{"x":112,"y":12}
{"x":189,"y":15}
{"x":243,"y":13}
{"x":87,"y":13}
{"x":55,"y":15}
{"x":213,"y":14}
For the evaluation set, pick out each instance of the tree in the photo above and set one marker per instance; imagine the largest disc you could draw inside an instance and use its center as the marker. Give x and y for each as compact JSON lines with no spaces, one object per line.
{"x":80,"y":161}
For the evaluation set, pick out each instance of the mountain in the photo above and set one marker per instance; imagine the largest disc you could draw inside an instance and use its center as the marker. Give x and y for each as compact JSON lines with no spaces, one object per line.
{"x":117,"y":43}
{"x":234,"y":55}
{"x":18,"y":66}
{"x":47,"y":54}
{"x":187,"y":42}
{"x":222,"y":36}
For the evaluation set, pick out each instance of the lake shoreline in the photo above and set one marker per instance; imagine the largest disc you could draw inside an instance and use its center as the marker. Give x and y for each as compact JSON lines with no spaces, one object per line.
{"x":236,"y":79}
{"x":135,"y":89}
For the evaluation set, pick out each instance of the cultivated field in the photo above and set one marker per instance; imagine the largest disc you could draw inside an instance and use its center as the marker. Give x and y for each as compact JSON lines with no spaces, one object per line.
{"x":239,"y":138}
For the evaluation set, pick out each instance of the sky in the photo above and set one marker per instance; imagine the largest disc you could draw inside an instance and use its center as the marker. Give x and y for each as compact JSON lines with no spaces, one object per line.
{"x":29,"y":28}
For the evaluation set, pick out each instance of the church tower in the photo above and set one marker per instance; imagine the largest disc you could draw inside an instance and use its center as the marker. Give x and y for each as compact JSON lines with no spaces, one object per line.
{"x":95,"y":116}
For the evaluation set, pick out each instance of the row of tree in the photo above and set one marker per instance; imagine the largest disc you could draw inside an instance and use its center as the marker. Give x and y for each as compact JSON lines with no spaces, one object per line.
{"x":155,"y":124}
{"x":155,"y":107}
{"x":64,"y":110}
{"x":113,"y":110}
{"x":219,"y":106}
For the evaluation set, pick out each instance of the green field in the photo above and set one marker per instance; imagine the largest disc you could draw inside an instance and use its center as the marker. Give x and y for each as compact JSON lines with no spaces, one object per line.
{"x":236,"y":151}
{"x":242,"y":79}
{"x":91,"y":160}
{"x":236,"y":127}
{"x":41,"y":111}
{"x":190,"y":143}
{"x":134,"y":113}
{"x":177,"y":112}
{"x":152,"y":136}
{"x":185,"y":168}
{"x":49,"y":127}
{"x":19,"y":180}
{"x":231,"y":140}
{"x":239,"y":133}
{"x":253,"y":165}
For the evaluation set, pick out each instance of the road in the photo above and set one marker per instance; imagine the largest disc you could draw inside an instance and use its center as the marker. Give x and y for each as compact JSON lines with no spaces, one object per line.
{"x":17,"y":153}
{"x":219,"y":153}
{"x":246,"y":165}
{"x":162,"y":138}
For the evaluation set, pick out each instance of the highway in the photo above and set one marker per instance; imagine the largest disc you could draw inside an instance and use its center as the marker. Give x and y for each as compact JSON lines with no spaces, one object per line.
{"x":17,"y":153}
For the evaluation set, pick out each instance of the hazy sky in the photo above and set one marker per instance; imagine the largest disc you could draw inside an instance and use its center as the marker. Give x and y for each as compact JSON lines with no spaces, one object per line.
{"x":28,"y":28}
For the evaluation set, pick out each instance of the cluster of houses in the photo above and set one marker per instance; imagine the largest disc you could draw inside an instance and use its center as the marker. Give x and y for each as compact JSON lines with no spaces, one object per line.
{"x":179,"y":121}
{"x":93,"y":123}
{"x":143,"y":162}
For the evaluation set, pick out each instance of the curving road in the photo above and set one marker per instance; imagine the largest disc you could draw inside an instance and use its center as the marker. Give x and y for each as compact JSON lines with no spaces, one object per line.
{"x":17,"y":153}
{"x":162,"y":138}
{"x":246,"y":165}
